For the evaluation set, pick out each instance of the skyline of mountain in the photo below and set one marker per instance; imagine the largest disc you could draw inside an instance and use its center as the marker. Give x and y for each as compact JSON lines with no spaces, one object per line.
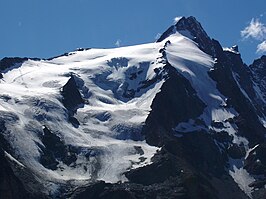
{"x":181,"y":117}
{"x":46,"y":29}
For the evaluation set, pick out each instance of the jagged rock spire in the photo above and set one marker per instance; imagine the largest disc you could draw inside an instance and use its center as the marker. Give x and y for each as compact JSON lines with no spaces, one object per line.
{"x":191,"y":25}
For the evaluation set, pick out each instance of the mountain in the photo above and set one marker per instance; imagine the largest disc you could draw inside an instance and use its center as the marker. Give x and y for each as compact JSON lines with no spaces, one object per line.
{"x":182,"y":117}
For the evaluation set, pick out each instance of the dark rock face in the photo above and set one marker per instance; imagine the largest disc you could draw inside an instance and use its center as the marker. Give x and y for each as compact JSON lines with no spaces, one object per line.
{"x":71,"y":95}
{"x":255,"y":164}
{"x":248,"y":121}
{"x":256,"y":160}
{"x":195,"y":156}
{"x":171,"y":106}
{"x":164,"y":166}
{"x":55,"y":150}
{"x":244,"y":76}
{"x":10,"y":186}
{"x":72,"y":99}
{"x":258,"y":68}
{"x":9,"y":62}
{"x":236,"y":152}
{"x":101,"y":190}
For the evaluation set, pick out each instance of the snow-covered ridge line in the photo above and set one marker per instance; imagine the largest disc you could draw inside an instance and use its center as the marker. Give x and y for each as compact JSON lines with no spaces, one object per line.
{"x":11,"y":158}
{"x":108,"y":140}
{"x":78,"y":118}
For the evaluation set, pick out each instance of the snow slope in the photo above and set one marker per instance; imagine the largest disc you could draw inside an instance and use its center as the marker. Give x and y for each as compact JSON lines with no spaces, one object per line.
{"x":194,"y":65}
{"x":110,"y":122}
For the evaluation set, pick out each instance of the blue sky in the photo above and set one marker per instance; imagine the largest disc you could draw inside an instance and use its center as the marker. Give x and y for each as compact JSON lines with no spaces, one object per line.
{"x":36,"y":28}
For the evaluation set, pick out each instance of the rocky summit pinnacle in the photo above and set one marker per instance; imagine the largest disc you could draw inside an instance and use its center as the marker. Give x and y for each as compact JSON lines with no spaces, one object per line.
{"x":192,"y":29}
{"x":180,"y":118}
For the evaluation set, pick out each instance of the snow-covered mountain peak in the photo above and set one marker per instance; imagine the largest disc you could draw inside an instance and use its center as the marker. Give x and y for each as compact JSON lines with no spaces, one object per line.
{"x":81,"y":114}
{"x":184,"y":25}
{"x":192,"y":29}
{"x":144,"y":120}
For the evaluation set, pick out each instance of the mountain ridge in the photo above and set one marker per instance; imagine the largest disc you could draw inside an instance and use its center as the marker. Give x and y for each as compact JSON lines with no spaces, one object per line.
{"x":99,"y":123}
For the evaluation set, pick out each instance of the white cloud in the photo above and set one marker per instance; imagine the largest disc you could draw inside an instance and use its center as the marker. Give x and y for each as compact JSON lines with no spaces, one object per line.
{"x":118,"y":43}
{"x":261,"y":48}
{"x":262,"y":14}
{"x":176,"y":19}
{"x":255,"y":30}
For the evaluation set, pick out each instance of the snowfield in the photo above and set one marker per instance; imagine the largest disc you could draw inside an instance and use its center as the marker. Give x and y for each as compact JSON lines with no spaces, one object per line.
{"x":110,"y":123}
